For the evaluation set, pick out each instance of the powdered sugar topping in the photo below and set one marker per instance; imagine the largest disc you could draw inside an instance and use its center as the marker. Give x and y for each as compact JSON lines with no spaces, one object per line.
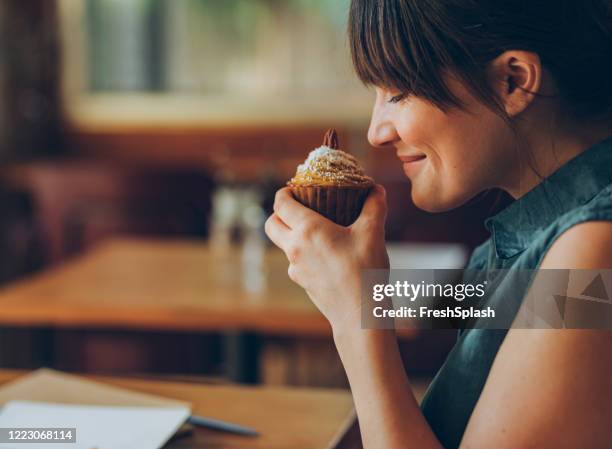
{"x":326,"y":165}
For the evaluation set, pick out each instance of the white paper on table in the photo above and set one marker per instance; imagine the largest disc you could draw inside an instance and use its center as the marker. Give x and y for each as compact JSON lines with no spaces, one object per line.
{"x":100,"y":427}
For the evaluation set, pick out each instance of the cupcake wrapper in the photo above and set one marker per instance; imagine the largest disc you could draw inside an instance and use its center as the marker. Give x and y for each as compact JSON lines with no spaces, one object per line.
{"x":342,"y":205}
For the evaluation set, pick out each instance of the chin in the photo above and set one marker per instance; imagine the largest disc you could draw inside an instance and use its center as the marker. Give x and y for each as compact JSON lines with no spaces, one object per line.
{"x":432,"y":201}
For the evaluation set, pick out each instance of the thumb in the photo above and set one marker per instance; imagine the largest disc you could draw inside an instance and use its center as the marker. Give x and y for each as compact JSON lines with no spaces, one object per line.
{"x":374,"y":212}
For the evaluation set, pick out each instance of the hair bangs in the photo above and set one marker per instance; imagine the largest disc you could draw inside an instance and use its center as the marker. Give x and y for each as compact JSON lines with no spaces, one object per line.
{"x":391,"y":52}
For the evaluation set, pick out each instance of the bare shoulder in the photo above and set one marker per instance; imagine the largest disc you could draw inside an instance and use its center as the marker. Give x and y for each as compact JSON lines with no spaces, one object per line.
{"x":586,"y":245}
{"x":551,"y":387}
{"x":547,"y":388}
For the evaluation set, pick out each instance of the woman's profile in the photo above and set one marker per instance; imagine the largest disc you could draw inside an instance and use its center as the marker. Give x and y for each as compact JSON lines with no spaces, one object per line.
{"x":473,"y":95}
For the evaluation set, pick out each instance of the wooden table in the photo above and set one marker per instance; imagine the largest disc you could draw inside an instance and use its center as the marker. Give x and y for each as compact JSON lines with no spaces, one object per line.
{"x":161,"y":285}
{"x":285,"y":417}
{"x":157,"y":285}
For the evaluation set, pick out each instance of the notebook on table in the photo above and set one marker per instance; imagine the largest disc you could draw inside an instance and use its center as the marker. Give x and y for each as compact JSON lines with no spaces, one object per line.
{"x":105,"y":417}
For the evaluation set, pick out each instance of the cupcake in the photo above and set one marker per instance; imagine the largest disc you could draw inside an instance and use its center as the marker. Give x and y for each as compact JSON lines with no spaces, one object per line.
{"x":332,"y":182}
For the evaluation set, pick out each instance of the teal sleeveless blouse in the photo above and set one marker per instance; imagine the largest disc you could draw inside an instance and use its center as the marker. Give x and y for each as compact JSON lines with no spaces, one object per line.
{"x":521,"y":234}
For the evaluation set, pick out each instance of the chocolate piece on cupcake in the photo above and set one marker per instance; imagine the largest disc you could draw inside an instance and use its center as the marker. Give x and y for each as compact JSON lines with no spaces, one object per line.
{"x":332,"y":182}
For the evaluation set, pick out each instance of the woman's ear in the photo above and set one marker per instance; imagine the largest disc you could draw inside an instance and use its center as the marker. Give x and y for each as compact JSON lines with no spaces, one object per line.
{"x":516,"y":78}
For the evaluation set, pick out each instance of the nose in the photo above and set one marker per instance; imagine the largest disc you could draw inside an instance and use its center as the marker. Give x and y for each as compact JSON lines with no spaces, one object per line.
{"x":382,"y":132}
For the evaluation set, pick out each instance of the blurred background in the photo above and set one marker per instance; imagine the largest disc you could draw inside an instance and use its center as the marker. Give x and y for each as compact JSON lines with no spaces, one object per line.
{"x":141,"y":143}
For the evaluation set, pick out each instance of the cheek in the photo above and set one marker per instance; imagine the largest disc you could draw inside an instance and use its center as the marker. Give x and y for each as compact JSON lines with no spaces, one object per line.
{"x":466,"y":145}
{"x":463,"y":157}
{"x":417,"y":123}
{"x":476,"y":148}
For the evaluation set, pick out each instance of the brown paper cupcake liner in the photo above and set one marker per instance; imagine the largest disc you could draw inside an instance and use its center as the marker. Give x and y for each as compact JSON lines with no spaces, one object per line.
{"x":342,"y":205}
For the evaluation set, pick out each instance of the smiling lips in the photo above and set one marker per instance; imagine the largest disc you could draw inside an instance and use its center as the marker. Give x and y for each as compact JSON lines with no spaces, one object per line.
{"x":408,"y":159}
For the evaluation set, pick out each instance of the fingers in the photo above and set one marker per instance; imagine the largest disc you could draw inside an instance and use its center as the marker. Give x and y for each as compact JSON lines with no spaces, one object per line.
{"x":290,"y":211}
{"x":374,"y":212}
{"x":277,"y":231}
{"x":293,"y":214}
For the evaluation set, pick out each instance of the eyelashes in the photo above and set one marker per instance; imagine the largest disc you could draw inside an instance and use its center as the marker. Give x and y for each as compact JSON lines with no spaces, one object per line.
{"x":397,"y":98}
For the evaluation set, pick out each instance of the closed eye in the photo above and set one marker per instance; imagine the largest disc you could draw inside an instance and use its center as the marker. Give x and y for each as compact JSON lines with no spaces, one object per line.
{"x":397,"y":98}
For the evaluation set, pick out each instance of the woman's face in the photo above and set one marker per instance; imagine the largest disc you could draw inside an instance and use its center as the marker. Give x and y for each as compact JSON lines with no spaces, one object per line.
{"x":449,"y":156}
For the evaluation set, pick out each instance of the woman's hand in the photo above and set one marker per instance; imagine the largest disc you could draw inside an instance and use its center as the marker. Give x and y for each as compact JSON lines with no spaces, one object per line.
{"x":327,"y":259}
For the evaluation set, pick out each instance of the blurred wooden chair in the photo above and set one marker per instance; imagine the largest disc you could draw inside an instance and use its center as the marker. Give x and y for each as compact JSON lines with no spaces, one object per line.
{"x":80,"y":203}
{"x":19,"y":245}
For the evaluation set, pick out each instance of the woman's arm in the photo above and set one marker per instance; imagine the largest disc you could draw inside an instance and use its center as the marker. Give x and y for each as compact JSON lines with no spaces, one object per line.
{"x":327,"y":261}
{"x":548,"y":388}
{"x":389,"y":415}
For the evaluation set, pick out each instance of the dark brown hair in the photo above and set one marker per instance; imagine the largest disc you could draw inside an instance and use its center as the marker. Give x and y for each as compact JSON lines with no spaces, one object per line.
{"x":408,"y":45}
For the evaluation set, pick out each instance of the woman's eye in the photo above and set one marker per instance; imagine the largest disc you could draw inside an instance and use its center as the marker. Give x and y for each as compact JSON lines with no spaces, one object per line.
{"x":397,"y":98}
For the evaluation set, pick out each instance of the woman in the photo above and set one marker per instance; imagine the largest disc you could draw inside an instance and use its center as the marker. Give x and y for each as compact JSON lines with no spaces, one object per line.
{"x":471,"y":95}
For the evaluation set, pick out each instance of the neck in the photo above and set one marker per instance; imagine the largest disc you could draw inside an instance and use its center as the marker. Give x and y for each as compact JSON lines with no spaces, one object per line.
{"x":547,"y":152}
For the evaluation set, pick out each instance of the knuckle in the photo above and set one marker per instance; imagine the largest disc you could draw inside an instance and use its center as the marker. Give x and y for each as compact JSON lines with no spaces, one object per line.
{"x":268,"y":224}
{"x":292,"y":273}
{"x":367,"y":225}
{"x":293,"y":253}
{"x":372,"y":225}
{"x":280,"y":198}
